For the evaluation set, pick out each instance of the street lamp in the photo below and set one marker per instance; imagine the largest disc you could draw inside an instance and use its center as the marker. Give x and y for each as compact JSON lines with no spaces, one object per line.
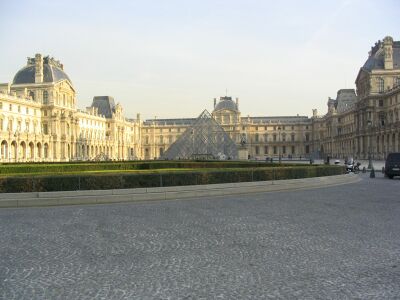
{"x":370,"y":165}
{"x":279,"y":142}
{"x":192,"y":133}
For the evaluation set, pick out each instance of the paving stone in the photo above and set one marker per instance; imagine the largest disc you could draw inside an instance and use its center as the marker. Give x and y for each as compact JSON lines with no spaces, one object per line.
{"x":340,"y":242}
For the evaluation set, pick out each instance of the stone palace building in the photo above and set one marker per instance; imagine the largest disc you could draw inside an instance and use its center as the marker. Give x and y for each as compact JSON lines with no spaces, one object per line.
{"x":39,"y":120}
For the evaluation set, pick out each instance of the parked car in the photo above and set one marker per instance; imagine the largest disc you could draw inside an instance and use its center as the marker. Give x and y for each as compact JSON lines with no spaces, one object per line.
{"x":392,"y":165}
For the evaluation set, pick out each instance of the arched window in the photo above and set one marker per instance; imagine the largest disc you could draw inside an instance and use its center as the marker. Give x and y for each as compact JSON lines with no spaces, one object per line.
{"x":45,"y":97}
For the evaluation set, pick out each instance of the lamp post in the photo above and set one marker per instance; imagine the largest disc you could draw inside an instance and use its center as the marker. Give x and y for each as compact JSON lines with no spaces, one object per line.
{"x":192,"y":134}
{"x":279,"y":144}
{"x":370,"y":166}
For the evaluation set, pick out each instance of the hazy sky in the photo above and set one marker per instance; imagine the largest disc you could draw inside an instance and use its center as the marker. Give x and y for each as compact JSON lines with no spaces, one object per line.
{"x":171,"y":58}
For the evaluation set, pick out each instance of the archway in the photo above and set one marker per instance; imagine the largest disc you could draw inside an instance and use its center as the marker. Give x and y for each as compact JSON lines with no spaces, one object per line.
{"x":23,"y":150}
{"x":13,"y":153}
{"x":46,"y":150}
{"x":39,"y":150}
{"x":4,"y":150}
{"x":32,"y":151}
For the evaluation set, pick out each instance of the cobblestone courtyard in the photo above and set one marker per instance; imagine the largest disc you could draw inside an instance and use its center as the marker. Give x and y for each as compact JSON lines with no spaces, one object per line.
{"x":340,"y":242}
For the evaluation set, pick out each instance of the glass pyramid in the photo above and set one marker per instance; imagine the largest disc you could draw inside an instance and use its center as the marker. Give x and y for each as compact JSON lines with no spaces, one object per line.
{"x":204,"y":139}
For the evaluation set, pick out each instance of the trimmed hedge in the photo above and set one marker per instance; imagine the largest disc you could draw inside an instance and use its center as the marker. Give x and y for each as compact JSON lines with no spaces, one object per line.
{"x":57,"y":168}
{"x":15,"y":184}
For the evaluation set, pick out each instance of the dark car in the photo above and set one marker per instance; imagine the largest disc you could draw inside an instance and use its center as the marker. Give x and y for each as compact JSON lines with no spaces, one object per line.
{"x":392,"y":165}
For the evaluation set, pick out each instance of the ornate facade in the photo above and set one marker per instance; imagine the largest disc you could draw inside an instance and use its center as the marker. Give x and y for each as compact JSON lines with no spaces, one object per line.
{"x":366,"y":122}
{"x":39,"y":120}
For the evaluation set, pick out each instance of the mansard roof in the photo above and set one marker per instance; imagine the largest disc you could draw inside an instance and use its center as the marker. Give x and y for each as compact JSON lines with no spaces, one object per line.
{"x":376,"y":59}
{"x":105,"y":105}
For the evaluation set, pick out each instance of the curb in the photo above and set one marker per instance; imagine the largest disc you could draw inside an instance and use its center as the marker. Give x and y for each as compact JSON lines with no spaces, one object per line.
{"x":37,"y":199}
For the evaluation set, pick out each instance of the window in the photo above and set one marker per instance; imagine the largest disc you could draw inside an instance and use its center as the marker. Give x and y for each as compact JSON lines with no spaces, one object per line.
{"x":293,"y":150}
{"x":10,"y":107}
{"x":396,"y":82}
{"x":10,"y":125}
{"x":1,"y":105}
{"x":257,"y":150}
{"x":274,"y":136}
{"x":382,"y":119}
{"x":292,"y":127}
{"x":266,"y":137}
{"x":147,"y":139}
{"x":380,"y":103}
{"x":45,"y":97}
{"x":256,"y":138}
{"x":283,"y":137}
{"x":275,"y":150}
{"x":307,"y":137}
{"x":307,"y":149}
{"x":32,"y":95}
{"x":266,"y":149}
{"x":284,"y":149}
{"x":27,"y":126}
{"x":1,"y":124}
{"x":19,"y":108}
{"x":292,"y":137}
{"x":27,"y":111}
{"x":161,"y":140}
{"x":45,"y":128}
{"x":381,"y":85}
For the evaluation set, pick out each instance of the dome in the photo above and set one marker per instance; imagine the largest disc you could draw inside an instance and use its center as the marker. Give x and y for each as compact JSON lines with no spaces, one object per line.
{"x":226,"y":103}
{"x":52,"y":72}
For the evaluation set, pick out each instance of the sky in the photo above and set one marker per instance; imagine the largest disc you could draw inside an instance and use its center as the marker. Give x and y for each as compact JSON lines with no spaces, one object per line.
{"x":170,"y":59}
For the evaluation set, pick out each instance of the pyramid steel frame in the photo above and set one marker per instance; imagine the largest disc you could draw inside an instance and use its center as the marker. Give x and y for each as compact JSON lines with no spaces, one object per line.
{"x":204,"y":139}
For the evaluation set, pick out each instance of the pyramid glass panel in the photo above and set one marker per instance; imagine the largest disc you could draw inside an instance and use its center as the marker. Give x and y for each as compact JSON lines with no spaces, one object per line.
{"x":204,"y":139}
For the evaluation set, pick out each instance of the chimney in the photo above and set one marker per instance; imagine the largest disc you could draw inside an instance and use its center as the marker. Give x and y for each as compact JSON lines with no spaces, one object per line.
{"x":215,"y":102}
{"x":237,"y":103}
{"x":138,"y":117}
{"x":38,"y":68}
{"x":388,"y":50}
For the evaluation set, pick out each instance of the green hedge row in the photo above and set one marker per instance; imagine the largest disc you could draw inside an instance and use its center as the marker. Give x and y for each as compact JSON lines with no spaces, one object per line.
{"x":112,"y":166}
{"x":15,"y":184}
